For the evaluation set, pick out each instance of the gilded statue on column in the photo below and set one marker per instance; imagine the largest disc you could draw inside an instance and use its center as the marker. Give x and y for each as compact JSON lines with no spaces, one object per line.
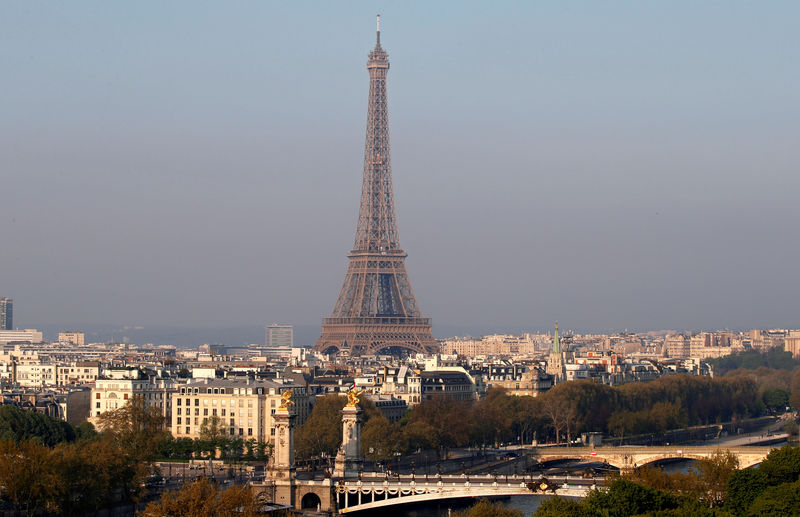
{"x":353,"y":397}
{"x":286,"y":400}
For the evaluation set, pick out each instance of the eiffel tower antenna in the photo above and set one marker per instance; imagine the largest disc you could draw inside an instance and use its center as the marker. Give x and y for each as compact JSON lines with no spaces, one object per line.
{"x":376,"y":311}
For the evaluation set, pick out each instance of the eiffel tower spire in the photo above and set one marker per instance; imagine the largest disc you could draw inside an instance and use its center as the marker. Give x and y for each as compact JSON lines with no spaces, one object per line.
{"x":376,"y":310}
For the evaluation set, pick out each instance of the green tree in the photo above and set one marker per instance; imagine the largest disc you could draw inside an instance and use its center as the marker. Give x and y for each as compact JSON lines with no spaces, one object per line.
{"x":776,"y":399}
{"x":485,"y":508}
{"x":782,"y":465}
{"x":744,"y":486}
{"x":777,"y":501}
{"x":625,"y":498}
{"x":19,"y":424}
{"x":561,"y":507}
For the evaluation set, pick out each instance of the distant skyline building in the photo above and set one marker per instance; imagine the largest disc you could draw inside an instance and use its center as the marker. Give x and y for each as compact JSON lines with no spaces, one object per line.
{"x":6,"y":314}
{"x":376,"y":311}
{"x":72,"y":336}
{"x":279,"y":335}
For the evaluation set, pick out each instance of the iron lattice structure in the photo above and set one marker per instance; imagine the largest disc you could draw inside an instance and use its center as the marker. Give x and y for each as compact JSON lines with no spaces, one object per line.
{"x":376,"y":310}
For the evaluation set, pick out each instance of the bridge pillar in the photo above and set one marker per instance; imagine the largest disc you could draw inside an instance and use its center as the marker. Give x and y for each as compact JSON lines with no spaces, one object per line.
{"x":281,"y":468}
{"x":348,"y":459}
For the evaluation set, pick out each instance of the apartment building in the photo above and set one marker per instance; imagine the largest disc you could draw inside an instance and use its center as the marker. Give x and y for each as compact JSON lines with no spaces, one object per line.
{"x":118,"y":386}
{"x":244,"y":407}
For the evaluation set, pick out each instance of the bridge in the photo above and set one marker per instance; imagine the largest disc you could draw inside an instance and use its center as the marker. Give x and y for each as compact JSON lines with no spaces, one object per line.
{"x":369,"y":494}
{"x":630,"y":458}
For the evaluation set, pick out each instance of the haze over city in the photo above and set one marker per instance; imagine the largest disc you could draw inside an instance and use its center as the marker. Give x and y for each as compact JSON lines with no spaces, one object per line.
{"x":198,"y":165}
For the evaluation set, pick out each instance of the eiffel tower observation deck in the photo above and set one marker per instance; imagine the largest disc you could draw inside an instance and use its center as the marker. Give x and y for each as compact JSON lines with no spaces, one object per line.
{"x":376,"y":311}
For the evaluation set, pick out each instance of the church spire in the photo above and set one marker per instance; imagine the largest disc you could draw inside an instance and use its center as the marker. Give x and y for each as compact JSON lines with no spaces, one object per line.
{"x":556,"y":343}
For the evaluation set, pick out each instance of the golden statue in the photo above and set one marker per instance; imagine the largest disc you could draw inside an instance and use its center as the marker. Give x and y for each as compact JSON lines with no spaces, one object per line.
{"x":286,"y":399}
{"x":352,"y":397}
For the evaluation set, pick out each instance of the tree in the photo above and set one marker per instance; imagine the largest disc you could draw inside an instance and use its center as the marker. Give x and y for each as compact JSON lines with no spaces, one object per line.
{"x":625,"y":498}
{"x":782,"y":465}
{"x":776,"y":399}
{"x":205,"y":498}
{"x":379,"y":439}
{"x":714,"y":474}
{"x":322,"y":432}
{"x":212,"y":434}
{"x":485,"y":508}
{"x":560,"y":507}
{"x":26,"y":475}
{"x":744,"y":486}
{"x":777,"y":501}
{"x":137,"y":429}
{"x":18,"y":424}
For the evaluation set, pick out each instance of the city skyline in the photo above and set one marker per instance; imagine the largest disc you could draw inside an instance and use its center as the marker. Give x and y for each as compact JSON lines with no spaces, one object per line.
{"x":546,"y":167}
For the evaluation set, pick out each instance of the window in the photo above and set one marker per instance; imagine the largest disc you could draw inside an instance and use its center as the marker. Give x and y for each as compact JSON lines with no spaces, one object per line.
{"x":179,"y":411}
{"x":98,"y":405}
{"x":223,"y":411}
{"x":98,"y":396}
{"x":205,"y":411}
{"x":232,"y":422}
{"x":241,"y":431}
{"x":179,"y":402}
{"x":214,"y":412}
{"x":179,"y":420}
{"x":196,"y":402}
{"x":125,"y":396}
{"x":188,"y":430}
{"x":196,"y":411}
{"x":272,"y":431}
{"x":249,"y":431}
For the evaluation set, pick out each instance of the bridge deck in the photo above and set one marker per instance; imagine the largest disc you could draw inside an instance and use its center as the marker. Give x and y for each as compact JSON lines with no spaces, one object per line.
{"x":354,"y":495}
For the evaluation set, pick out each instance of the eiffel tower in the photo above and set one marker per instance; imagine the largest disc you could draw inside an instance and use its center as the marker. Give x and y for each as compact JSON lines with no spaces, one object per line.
{"x":376,"y":311}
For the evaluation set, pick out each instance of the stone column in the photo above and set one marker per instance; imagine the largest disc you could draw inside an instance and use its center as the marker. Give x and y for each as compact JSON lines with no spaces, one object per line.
{"x":281,"y":465}
{"x":348,"y":459}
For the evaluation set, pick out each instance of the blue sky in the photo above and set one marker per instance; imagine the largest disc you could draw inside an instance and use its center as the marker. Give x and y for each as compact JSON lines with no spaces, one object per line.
{"x":607,"y":164}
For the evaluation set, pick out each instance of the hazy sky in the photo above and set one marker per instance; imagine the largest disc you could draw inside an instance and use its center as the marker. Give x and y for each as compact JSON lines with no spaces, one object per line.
{"x":606,"y":164}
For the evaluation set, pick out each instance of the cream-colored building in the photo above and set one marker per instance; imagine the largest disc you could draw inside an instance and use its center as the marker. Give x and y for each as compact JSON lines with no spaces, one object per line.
{"x":31,"y":374}
{"x":72,"y":336}
{"x":492,"y":345}
{"x":84,"y":372}
{"x":22,"y":336}
{"x":116,"y":389}
{"x":792,"y":343}
{"x":244,"y":407}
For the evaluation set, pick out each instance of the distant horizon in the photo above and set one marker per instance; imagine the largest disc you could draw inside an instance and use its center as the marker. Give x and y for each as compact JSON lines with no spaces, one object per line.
{"x":306,"y":334}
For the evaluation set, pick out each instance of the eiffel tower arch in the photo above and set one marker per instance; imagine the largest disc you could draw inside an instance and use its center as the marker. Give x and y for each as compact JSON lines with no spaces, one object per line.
{"x":376,"y":311}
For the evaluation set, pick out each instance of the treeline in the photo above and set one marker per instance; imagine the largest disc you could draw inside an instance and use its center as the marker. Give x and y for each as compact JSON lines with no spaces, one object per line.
{"x":715,"y":487}
{"x":560,"y":414}
{"x":775,"y":372}
{"x":775,"y":359}
{"x":46,"y":468}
